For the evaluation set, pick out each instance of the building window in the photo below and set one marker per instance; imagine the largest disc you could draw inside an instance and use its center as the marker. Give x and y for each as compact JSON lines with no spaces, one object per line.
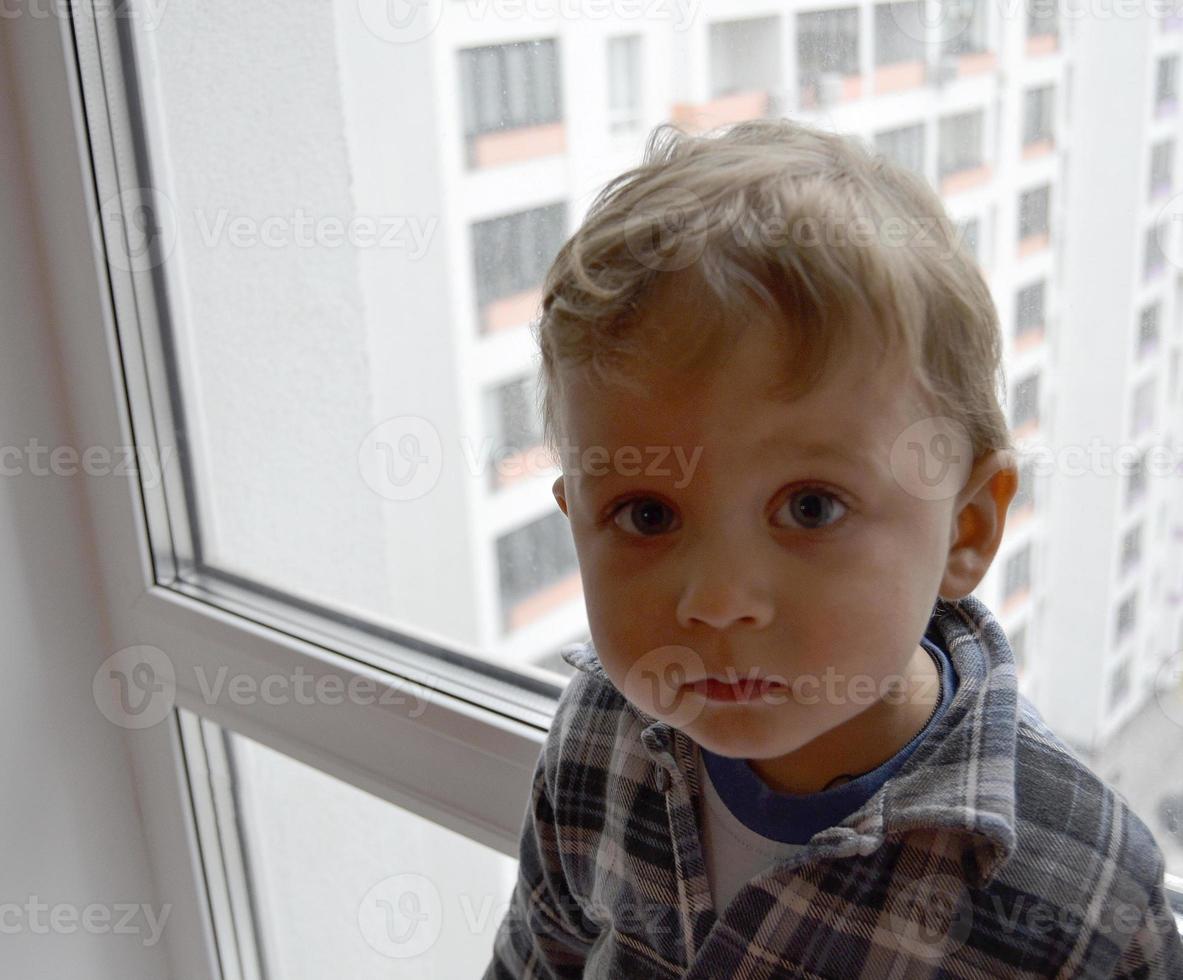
{"x":1026,"y":402}
{"x":1148,"y":329}
{"x":1120,"y":684}
{"x":1136,"y":480}
{"x":1018,"y":646}
{"x":1025,"y":492}
{"x":1038,"y":114}
{"x":963,"y":26}
{"x":1143,"y":412}
{"x":514,"y":423}
{"x":827,"y":41}
{"x":903,"y":146}
{"x":1131,"y":549}
{"x":511,"y":253}
{"x":1154,"y":259}
{"x":1127,"y":616}
{"x":1043,"y":18}
{"x":624,"y":83}
{"x":509,"y":86}
{"x":1166,"y":83}
{"x":531,"y":558}
{"x":1016,"y":575}
{"x":1029,"y":308}
{"x":960,"y":143}
{"x":969,"y":232}
{"x":899,"y":33}
{"x":1034,"y":206}
{"x":1162,"y":167}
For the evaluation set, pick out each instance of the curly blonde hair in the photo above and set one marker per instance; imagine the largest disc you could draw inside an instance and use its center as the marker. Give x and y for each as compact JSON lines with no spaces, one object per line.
{"x":776,"y":216}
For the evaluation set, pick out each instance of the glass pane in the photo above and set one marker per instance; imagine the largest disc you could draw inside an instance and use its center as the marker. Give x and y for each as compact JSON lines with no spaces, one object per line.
{"x":339,"y":883}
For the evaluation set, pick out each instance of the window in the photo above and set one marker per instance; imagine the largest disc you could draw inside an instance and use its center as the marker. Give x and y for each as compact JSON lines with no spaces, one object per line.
{"x":969,"y":232}
{"x":1127,"y":617}
{"x":514,"y":427}
{"x":1162,"y":167}
{"x":963,"y":26}
{"x":1018,"y":646}
{"x":1034,"y":206}
{"x":1039,"y":105}
{"x":827,"y":41}
{"x":1119,"y":685}
{"x":1016,"y":578}
{"x":1131,"y":549}
{"x":1025,"y":492}
{"x":1145,"y":395}
{"x":960,"y":143}
{"x":511,"y":253}
{"x":1025,"y":406}
{"x":1148,"y":329}
{"x":1154,"y":259}
{"x":1029,"y":313}
{"x":1043,"y":18}
{"x":903,"y":146}
{"x":531,"y":559}
{"x":1166,"y":83}
{"x":1136,"y":481}
{"x":899,"y":33}
{"x":509,"y":86}
{"x":624,"y":83}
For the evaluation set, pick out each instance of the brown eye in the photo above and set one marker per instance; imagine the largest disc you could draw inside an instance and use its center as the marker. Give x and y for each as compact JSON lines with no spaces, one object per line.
{"x":648,"y":516}
{"x":813,"y":508}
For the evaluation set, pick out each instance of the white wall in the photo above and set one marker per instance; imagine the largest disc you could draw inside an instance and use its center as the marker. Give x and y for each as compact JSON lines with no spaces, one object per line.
{"x":70,"y":832}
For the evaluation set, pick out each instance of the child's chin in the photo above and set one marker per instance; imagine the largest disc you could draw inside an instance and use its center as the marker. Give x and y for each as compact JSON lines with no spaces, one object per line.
{"x":735,"y":743}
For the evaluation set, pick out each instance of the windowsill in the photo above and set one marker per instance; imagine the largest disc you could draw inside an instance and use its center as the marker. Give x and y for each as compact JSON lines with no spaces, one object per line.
{"x":510,"y":311}
{"x":1038,"y":148}
{"x":964,"y":180}
{"x":1042,"y":44}
{"x":900,"y":77}
{"x":1029,"y":339}
{"x":721,"y":110}
{"x":545,"y":600}
{"x":523,"y":465}
{"x":1033,"y":243}
{"x":507,"y":146}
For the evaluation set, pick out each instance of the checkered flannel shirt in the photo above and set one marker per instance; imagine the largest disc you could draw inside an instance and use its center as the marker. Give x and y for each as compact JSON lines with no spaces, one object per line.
{"x":994,"y":852}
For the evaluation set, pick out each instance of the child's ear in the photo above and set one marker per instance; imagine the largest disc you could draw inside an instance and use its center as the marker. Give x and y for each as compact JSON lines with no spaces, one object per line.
{"x":558,"y":488}
{"x":979,"y":518}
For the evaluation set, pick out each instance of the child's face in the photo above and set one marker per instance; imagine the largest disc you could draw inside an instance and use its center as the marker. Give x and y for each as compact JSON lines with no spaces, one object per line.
{"x":741,"y":555}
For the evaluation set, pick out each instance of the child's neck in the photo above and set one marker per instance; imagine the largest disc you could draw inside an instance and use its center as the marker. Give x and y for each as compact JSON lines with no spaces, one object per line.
{"x":861,"y":743}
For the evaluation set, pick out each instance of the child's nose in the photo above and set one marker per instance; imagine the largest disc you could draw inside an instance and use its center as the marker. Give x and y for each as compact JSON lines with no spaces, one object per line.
{"x":725,"y":595}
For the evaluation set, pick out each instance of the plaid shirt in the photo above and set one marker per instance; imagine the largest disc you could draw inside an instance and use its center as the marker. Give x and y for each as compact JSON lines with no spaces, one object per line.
{"x":994,"y":852}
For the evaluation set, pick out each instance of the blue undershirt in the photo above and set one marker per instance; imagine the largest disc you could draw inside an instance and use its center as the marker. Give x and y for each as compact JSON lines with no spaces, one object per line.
{"x":793,"y":818}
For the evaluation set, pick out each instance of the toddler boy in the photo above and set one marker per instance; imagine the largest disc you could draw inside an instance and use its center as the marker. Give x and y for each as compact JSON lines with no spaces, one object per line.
{"x":795,"y":746}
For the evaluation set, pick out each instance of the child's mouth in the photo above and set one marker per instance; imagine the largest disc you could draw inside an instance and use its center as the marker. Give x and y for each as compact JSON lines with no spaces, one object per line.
{"x":739,"y":691}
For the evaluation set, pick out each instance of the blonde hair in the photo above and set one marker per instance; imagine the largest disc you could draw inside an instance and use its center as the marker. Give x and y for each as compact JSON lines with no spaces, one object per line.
{"x":733,"y":207}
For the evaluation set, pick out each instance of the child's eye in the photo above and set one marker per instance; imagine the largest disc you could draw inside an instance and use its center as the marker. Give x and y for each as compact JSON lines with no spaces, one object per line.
{"x":813,"y":508}
{"x":645,"y":513}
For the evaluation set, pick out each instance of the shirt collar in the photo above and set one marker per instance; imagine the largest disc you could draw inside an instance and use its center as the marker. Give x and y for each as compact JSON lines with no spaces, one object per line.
{"x":961,"y":778}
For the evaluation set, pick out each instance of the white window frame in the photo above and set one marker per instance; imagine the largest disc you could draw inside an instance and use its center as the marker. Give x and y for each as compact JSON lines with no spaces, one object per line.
{"x":458,"y":764}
